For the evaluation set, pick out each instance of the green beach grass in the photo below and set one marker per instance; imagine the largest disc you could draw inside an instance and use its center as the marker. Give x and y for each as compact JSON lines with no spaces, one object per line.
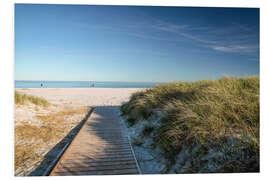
{"x":24,"y":98}
{"x":215,"y":115}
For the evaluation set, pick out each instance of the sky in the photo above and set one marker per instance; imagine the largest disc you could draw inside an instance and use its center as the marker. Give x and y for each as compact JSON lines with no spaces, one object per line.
{"x":134,"y":43}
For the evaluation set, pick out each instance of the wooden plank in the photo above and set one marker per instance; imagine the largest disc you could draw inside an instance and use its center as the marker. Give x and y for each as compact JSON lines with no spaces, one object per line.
{"x":94,"y":168}
{"x":85,"y":157}
{"x":99,"y":148}
{"x":98,"y":153}
{"x":115,"y":172}
{"x":99,"y":160}
{"x":73,"y":163}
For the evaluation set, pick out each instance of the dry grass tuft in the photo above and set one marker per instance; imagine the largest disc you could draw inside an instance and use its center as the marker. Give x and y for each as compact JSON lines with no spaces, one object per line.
{"x":31,"y":140}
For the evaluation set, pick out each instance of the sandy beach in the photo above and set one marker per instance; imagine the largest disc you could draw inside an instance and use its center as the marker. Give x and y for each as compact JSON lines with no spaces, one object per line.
{"x":68,"y":109}
{"x":83,"y":96}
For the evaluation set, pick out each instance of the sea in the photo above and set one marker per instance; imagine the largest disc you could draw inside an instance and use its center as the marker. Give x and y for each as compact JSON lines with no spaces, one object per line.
{"x":83,"y":84}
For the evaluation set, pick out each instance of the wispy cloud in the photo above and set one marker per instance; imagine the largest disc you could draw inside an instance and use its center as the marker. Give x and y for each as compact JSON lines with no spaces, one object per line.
{"x":237,"y":48}
{"x":218,"y":39}
{"x":242,"y":27}
{"x":234,"y":38}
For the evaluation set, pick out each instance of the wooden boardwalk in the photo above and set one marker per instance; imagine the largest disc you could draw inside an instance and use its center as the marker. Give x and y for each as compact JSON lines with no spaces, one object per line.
{"x":100,"y":148}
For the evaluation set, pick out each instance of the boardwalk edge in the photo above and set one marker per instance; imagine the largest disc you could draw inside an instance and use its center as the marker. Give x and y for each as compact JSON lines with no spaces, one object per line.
{"x":62,"y":152}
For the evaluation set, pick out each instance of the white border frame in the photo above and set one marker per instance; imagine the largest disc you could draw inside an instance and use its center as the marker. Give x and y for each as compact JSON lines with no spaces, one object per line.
{"x":7,"y":78}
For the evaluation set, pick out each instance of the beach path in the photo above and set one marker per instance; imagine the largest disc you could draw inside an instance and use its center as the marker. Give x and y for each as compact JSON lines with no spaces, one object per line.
{"x":100,"y":148}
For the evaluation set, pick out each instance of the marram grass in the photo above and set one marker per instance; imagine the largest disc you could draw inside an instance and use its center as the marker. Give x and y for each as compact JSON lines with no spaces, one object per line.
{"x":24,"y":98}
{"x":205,"y":113}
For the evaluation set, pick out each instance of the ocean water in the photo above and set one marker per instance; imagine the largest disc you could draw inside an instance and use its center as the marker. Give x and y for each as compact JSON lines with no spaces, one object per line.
{"x":82,"y":84}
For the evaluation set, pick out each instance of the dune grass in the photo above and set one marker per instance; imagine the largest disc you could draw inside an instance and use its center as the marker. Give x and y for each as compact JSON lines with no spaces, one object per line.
{"x":205,"y":113}
{"x":24,"y":98}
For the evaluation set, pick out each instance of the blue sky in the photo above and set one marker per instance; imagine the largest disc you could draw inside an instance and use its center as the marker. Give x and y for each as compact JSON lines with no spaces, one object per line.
{"x":134,"y":43}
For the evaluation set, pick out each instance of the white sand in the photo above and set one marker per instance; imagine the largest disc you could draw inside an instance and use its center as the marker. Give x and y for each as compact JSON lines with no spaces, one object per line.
{"x":83,"y":96}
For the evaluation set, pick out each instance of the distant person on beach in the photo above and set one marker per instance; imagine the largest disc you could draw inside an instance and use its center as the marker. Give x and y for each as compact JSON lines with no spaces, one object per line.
{"x":41,"y":85}
{"x":92,"y":85}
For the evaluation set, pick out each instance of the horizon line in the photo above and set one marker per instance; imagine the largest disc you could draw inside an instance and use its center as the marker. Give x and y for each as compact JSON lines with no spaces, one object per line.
{"x":100,"y":81}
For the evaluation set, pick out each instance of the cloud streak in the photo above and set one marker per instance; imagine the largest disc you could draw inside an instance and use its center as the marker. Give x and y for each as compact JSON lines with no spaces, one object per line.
{"x":234,"y":38}
{"x":222,"y":40}
{"x":237,"y":48}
